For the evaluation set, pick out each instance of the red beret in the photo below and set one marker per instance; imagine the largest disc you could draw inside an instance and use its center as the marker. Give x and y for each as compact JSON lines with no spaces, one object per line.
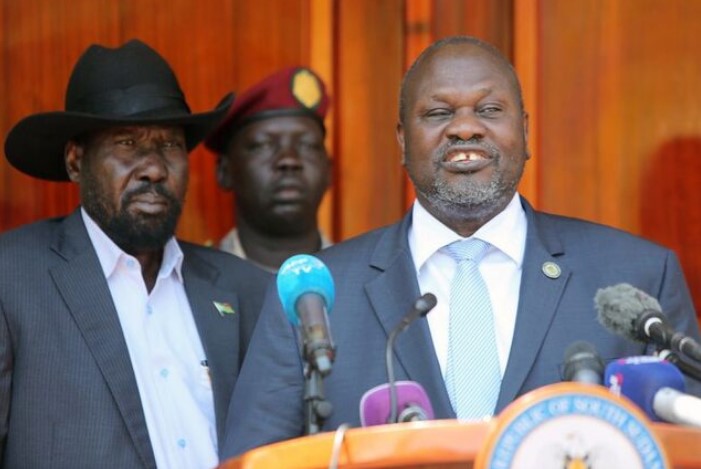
{"x":291,"y":91}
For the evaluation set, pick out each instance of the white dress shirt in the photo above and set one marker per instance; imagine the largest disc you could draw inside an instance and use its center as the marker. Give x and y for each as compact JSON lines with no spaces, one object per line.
{"x":501,"y":268}
{"x":166,"y":354}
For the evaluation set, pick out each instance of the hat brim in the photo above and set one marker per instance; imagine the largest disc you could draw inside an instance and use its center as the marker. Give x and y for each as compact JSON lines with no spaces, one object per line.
{"x":36,"y":144}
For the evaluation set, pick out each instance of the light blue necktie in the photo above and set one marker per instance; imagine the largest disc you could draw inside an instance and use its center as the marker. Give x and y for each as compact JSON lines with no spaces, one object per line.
{"x":473,"y":377}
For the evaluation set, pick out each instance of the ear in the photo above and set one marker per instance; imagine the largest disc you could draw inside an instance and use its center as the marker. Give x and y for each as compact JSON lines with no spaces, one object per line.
{"x":525,"y":134}
{"x":73,"y":158}
{"x":400,"y":139}
{"x":224,"y":172}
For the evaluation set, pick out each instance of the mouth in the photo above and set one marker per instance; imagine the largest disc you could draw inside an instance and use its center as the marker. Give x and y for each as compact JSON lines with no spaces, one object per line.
{"x":149,"y":203}
{"x":289,"y":191}
{"x":466,"y":160}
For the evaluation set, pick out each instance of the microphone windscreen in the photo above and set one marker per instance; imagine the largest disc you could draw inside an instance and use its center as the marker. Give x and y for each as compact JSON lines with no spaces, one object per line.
{"x":582,"y":356}
{"x":375,"y":403}
{"x":639,"y":379}
{"x":620,"y":306}
{"x":300,"y":275}
{"x":426,"y":303}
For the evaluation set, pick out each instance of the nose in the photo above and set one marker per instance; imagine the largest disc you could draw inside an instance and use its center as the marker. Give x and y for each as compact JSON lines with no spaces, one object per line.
{"x":151,"y":166}
{"x":465,"y":125}
{"x":288,"y":158}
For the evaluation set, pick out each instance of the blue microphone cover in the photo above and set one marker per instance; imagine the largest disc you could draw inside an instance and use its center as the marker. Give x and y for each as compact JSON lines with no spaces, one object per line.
{"x":639,"y":379}
{"x":299,"y":275}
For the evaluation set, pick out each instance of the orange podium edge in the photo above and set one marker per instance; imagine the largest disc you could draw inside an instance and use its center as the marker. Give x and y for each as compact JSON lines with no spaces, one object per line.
{"x":448,"y":443}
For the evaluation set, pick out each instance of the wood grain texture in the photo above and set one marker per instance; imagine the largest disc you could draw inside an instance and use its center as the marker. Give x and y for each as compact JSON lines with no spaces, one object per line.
{"x":611,"y":85}
{"x":619,"y":118}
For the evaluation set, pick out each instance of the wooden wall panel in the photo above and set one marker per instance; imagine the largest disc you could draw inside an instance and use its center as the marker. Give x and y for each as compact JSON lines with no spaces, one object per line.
{"x":620,"y":124}
{"x":369,"y":55}
{"x":41,"y":40}
{"x":611,"y":86}
{"x":491,"y":20}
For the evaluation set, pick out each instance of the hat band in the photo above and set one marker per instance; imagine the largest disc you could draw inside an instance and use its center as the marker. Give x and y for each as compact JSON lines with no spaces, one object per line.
{"x":138,"y":100}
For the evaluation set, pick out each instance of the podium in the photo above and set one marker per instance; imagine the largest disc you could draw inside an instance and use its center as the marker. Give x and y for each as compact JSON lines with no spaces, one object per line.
{"x":444,"y":444}
{"x":560,"y":425}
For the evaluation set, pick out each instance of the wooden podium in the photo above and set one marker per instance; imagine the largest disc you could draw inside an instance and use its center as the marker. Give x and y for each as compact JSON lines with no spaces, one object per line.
{"x":452,"y":444}
{"x":438,"y":444}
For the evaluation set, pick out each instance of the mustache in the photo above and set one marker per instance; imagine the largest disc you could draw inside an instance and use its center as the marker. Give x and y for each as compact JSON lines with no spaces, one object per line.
{"x":150,"y":188}
{"x":473,"y":143}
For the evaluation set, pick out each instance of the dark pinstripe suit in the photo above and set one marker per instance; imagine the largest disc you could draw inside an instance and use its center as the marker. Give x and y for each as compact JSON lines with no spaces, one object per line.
{"x":68,"y":396}
{"x":376,"y":285}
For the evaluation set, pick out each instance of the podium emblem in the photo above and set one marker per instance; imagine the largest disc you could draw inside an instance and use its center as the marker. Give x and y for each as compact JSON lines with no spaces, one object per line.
{"x":570,"y":425}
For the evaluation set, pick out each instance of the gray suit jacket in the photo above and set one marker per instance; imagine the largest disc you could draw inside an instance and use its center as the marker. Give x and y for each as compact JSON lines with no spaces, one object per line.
{"x":376,"y":285}
{"x":68,"y":396}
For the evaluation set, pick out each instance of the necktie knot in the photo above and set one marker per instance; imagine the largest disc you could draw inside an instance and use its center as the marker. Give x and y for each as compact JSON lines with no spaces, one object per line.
{"x":470,"y":249}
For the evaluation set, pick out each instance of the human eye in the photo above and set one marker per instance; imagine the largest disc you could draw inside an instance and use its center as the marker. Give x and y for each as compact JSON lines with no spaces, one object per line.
{"x":310,"y":146}
{"x":257,"y":147}
{"x":174,"y":144}
{"x":125,"y":142}
{"x":490,"y":110}
{"x":437,"y":113}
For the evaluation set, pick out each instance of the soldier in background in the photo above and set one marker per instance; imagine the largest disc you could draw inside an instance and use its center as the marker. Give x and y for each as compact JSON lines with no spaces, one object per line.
{"x":271,"y":155}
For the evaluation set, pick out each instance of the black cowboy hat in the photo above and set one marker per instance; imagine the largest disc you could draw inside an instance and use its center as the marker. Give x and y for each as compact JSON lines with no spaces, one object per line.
{"x":129,"y":85}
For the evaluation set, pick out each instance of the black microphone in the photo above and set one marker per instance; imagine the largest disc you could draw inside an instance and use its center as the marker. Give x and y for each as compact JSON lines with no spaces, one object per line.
{"x":413,"y":400}
{"x":635,"y":315}
{"x":583,"y":364}
{"x":687,"y":367}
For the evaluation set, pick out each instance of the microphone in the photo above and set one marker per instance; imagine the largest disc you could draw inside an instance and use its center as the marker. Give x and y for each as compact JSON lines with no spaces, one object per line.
{"x":635,"y":315}
{"x":411,"y":401}
{"x":306,"y":291}
{"x":583,"y":364}
{"x":687,"y":367}
{"x":403,"y":401}
{"x":657,"y":387}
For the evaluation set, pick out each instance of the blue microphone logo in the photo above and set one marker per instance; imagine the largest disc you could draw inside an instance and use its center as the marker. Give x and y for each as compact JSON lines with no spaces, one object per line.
{"x":300,"y":275}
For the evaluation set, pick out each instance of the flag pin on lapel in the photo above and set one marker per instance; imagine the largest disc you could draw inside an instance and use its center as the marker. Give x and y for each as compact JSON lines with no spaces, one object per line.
{"x":223,"y":308}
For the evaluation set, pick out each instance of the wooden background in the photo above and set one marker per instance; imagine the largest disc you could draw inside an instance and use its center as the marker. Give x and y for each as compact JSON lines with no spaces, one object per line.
{"x":611,"y":86}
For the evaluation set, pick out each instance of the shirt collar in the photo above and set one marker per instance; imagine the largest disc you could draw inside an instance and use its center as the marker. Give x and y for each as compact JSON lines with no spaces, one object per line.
{"x":109,"y":254}
{"x":506,"y":232}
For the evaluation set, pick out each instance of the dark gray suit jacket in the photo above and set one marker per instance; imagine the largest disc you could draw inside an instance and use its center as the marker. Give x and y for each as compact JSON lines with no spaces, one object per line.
{"x":68,"y":395}
{"x":376,"y":285}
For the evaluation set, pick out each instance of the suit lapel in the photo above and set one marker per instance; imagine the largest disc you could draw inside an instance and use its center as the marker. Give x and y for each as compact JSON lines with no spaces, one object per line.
{"x":219,"y":332}
{"x":392,"y":294}
{"x":538,"y":300}
{"x":83,"y":287}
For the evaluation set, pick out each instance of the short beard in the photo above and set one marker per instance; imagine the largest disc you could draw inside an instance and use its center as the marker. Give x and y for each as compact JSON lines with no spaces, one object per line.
{"x":479,"y":200}
{"x":471,"y":200}
{"x":131,"y":233}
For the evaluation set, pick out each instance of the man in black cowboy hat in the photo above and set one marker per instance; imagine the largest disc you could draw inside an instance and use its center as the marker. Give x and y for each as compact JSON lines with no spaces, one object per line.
{"x":119,"y":345}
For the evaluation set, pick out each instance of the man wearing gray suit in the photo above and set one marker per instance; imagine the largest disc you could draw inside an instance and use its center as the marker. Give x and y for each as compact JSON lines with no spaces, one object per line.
{"x":119,"y":345}
{"x":462,"y":130}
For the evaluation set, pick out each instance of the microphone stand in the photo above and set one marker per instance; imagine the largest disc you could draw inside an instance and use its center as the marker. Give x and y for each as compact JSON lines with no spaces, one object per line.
{"x":318,"y":353}
{"x":687,"y":367}
{"x":389,"y":362}
{"x":317,"y":408}
{"x":420,"y":308}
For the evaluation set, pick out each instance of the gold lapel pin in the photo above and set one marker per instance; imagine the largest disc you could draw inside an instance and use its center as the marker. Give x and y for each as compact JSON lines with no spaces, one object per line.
{"x":551,"y":270}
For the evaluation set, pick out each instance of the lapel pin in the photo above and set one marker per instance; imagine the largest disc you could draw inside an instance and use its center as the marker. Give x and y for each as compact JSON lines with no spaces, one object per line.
{"x":223,"y":308}
{"x":551,"y":270}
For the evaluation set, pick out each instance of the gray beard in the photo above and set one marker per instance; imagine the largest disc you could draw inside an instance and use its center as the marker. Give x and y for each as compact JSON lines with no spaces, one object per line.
{"x":478,"y":200}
